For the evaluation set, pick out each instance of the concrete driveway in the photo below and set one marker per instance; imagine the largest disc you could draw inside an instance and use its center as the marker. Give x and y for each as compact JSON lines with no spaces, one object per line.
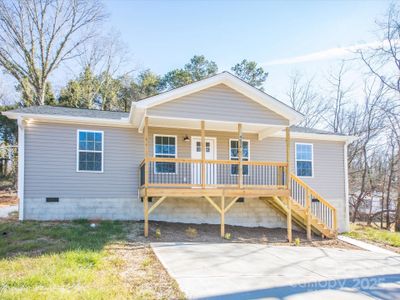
{"x":251,"y":271}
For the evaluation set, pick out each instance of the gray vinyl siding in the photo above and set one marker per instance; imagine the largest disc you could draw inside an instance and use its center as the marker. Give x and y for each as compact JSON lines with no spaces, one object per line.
{"x":50,"y":170}
{"x":328,"y":179}
{"x":50,"y":162}
{"x":208,"y":105}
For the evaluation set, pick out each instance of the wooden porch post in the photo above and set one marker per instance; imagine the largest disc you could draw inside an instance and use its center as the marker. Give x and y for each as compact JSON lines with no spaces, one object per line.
{"x":308,"y":207}
{"x":146,"y":176}
{"x":203,"y":155}
{"x":289,"y":200}
{"x":222,"y":216}
{"x":288,"y":157}
{"x":240,"y":155}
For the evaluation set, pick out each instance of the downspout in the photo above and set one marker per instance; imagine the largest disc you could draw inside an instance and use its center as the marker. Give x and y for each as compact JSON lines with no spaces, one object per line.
{"x":21,"y":167}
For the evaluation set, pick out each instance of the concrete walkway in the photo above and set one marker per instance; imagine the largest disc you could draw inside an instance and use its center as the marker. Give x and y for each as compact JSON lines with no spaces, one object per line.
{"x":365,"y":246}
{"x":252,"y":271}
{"x":5,"y":210}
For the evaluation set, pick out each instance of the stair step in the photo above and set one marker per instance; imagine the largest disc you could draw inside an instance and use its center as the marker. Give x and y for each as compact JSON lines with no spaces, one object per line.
{"x":300,"y":217}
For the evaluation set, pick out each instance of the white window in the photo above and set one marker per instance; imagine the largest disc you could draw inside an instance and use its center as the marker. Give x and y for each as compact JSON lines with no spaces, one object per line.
{"x":234,"y":155}
{"x":90,"y":151}
{"x":304,"y":160}
{"x":165,"y":146}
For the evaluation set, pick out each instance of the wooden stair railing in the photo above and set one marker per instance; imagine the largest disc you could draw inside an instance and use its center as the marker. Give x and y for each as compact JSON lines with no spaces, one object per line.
{"x":319,"y":211}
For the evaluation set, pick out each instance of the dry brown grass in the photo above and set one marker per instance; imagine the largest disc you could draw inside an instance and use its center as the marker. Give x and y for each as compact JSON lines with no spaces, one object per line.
{"x":143,"y":274}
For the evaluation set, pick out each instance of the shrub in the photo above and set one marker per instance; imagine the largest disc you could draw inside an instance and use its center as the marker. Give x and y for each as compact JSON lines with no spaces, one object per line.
{"x":191,"y":232}
{"x":158,"y":233}
{"x":227,"y":236}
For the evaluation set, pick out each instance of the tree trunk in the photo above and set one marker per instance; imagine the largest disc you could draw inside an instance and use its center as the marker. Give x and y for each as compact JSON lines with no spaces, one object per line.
{"x":388,"y":193}
{"x":397,"y":219}
{"x":42,"y":94}
{"x":355,"y":210}
{"x":397,"y":216}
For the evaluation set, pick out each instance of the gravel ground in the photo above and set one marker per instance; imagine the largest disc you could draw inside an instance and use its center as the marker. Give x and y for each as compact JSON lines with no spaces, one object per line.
{"x":178,"y":232}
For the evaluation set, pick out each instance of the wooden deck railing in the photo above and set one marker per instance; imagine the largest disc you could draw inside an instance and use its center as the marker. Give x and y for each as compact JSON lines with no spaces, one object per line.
{"x":303,"y":194}
{"x":182,"y":172}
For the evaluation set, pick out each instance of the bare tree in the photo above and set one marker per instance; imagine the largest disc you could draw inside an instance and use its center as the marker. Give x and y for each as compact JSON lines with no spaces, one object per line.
{"x":367,"y":127}
{"x":305,"y":99}
{"x":37,"y":35}
{"x":340,"y":92}
{"x":106,"y":54}
{"x":383,"y":61}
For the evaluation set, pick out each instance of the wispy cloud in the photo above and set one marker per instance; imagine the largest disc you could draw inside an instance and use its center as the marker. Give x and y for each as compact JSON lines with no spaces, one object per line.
{"x":326,"y":54}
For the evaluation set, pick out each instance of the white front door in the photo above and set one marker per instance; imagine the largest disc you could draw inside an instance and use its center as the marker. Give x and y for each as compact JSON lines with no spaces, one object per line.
{"x":211,"y":154}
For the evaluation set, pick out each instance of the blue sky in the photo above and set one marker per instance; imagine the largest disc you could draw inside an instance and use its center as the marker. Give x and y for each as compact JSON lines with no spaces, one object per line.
{"x":282,"y":36}
{"x":162,"y":35}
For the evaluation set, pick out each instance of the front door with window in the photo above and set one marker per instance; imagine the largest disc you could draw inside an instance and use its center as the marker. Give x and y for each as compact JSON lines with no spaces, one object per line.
{"x":211,"y":154}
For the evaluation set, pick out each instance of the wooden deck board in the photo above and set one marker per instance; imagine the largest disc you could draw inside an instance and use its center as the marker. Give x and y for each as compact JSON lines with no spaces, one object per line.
{"x":212,"y":192}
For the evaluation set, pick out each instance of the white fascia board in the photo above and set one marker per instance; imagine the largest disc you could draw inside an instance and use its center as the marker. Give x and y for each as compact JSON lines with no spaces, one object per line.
{"x":233,"y":82}
{"x":318,"y":136}
{"x":69,"y":119}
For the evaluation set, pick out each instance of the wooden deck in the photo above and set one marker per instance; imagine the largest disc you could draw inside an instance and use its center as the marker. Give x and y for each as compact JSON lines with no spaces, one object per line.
{"x":223,"y":182}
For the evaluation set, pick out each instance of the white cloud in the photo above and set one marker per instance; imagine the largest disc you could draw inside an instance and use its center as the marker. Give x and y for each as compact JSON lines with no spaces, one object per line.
{"x":326,"y":54}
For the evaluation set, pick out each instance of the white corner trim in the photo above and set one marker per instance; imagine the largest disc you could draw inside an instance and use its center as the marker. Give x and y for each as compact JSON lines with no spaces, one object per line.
{"x":21,"y":167}
{"x":346,"y":188}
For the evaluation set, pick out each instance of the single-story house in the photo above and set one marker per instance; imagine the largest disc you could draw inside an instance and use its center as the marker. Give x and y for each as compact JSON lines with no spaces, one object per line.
{"x":214,"y":151}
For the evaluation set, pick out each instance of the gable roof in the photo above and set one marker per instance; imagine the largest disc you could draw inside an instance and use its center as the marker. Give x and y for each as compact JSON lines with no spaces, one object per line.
{"x":139,"y":108}
{"x":101,"y":117}
{"x":71,"y":112}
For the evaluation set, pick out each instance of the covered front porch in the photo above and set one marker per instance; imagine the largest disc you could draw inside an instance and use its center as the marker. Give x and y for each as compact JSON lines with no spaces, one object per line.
{"x":197,"y":173}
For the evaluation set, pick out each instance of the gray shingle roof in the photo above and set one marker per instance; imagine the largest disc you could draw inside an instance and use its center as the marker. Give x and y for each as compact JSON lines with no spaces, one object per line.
{"x":113,"y":115}
{"x":311,"y":130}
{"x":71,"y":112}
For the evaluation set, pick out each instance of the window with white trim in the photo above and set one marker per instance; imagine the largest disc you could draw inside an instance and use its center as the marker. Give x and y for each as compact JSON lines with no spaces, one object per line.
{"x":304,"y":160}
{"x":234,"y":155}
{"x":90,"y":151}
{"x":165,"y":146}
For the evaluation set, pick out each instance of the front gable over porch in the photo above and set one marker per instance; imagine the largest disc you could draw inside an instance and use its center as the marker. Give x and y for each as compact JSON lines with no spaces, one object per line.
{"x":222,"y":101}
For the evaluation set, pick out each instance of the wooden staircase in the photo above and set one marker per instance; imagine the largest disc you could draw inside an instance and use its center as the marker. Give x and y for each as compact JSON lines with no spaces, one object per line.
{"x":309,"y":210}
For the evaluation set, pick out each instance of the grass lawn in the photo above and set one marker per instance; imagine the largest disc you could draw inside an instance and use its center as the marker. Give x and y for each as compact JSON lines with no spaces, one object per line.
{"x":71,"y":260}
{"x":376,"y":235}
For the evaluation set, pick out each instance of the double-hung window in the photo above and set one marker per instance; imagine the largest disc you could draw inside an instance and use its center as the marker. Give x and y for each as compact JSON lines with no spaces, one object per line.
{"x":304,"y":160}
{"x":234,"y":155}
{"x":90,"y":151}
{"x":165,"y":147}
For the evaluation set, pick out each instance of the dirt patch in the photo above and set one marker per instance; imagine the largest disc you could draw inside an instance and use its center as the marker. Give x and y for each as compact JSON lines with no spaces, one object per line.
{"x":8,"y":198}
{"x":178,"y":232}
